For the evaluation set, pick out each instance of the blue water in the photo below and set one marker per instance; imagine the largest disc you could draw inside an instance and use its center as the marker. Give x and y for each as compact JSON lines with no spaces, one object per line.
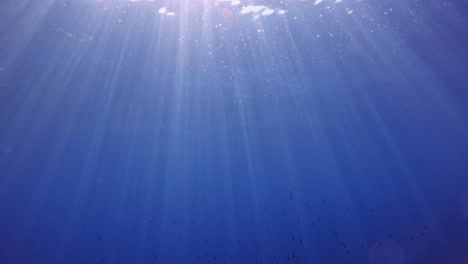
{"x":209,"y":132}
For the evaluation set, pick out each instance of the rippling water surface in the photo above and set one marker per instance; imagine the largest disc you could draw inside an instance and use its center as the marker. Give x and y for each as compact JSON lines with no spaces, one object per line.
{"x":199,"y":131}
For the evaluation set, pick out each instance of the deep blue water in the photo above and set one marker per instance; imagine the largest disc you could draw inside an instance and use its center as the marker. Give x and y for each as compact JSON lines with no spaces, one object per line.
{"x":334,"y":132}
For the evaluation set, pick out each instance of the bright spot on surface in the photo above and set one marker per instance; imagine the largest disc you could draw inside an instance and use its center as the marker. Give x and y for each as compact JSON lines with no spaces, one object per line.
{"x":252,"y":8}
{"x":268,"y":12}
{"x":318,"y":2}
{"x":464,"y":204}
{"x":261,"y":10}
{"x":350,"y":11}
{"x":386,"y":251}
